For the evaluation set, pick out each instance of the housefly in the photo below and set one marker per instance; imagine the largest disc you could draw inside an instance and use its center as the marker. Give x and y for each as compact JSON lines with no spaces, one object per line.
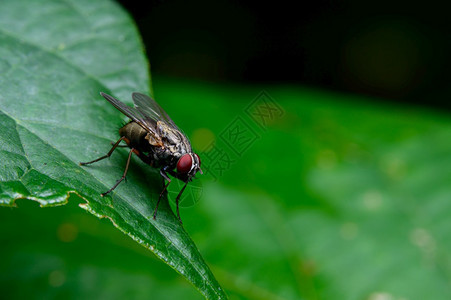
{"x":157,"y":141}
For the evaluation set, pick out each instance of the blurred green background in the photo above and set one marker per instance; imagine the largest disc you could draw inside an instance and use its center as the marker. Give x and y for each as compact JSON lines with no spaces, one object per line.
{"x":334,"y":201}
{"x":340,"y":196}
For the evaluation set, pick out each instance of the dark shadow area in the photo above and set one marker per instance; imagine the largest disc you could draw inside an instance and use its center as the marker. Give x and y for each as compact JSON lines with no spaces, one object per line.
{"x":393,"y":50}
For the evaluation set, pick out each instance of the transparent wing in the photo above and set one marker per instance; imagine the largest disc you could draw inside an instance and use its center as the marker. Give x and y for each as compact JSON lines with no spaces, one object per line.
{"x":149,"y":108}
{"x":133,"y":113}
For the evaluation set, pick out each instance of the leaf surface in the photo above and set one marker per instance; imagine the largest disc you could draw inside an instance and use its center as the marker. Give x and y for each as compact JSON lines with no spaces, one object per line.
{"x":55,"y":58}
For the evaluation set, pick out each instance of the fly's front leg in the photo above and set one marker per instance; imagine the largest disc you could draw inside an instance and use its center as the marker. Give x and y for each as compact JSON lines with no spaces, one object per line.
{"x":106,"y":155}
{"x":165,"y":176}
{"x":177,"y":201}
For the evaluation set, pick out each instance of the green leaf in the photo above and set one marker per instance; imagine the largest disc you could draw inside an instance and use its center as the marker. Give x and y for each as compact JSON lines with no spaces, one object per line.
{"x":55,"y":57}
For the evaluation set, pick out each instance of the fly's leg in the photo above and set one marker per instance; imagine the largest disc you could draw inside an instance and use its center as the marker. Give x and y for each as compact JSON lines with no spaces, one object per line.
{"x":165,"y":176}
{"x":119,"y":146}
{"x":123,"y":176}
{"x":159,"y":199}
{"x":106,"y":155}
{"x":177,"y":201}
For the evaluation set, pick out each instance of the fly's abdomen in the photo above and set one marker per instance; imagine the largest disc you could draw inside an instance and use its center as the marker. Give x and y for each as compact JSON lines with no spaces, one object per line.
{"x":135,"y":134}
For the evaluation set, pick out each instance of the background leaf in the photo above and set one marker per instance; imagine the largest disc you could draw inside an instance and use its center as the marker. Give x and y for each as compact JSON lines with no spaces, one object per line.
{"x":54,"y":63}
{"x":340,"y":197}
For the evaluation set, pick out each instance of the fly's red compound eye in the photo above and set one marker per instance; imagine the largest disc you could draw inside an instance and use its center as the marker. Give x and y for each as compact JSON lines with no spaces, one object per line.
{"x":198,"y":158}
{"x":184,"y":164}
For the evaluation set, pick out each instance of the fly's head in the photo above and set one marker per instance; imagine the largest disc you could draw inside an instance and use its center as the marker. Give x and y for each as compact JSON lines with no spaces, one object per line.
{"x":187,"y":166}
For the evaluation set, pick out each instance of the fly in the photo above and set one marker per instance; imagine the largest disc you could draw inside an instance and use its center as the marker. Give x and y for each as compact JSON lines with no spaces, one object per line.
{"x":157,"y":141}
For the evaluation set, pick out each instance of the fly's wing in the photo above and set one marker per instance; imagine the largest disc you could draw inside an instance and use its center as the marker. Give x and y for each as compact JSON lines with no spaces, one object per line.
{"x":134,"y":114}
{"x":149,"y":108}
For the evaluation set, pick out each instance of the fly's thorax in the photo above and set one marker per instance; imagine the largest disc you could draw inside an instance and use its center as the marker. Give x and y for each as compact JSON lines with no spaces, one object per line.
{"x":167,"y":155}
{"x":173,"y":139}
